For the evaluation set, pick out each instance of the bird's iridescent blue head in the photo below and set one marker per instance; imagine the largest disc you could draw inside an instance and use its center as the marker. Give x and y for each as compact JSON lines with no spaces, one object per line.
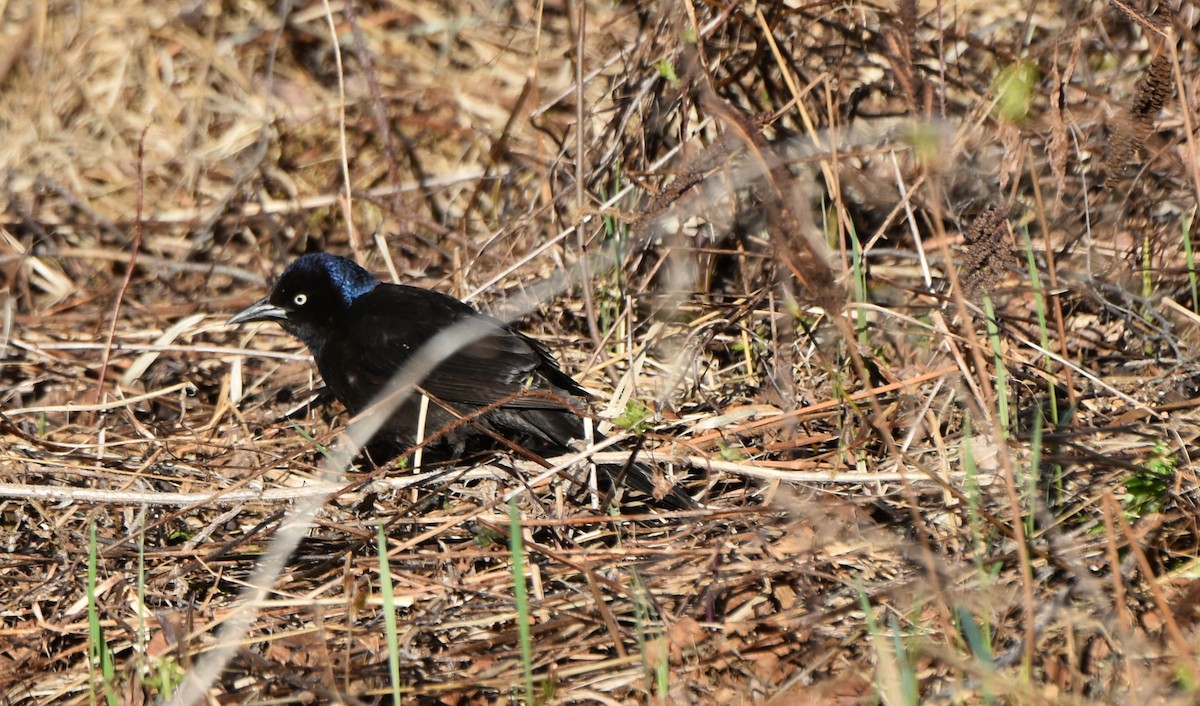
{"x":346,"y":277}
{"x":310,"y":296}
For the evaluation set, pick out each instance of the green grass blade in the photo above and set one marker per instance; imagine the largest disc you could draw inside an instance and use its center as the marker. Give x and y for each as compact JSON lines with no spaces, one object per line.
{"x":97,"y":648}
{"x":389,"y":614}
{"x":521,"y":596}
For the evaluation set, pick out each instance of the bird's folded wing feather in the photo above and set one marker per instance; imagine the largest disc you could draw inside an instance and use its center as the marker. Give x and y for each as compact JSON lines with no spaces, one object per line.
{"x":490,"y":369}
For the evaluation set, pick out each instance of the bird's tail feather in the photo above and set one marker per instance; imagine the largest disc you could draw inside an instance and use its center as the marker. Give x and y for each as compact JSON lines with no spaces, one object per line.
{"x":640,"y":477}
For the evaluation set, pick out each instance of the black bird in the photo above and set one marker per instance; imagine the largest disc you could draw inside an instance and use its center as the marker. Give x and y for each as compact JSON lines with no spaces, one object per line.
{"x":362,"y":331}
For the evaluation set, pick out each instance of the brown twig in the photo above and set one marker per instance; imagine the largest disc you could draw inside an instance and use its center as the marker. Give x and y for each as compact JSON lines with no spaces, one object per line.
{"x":133,"y":253}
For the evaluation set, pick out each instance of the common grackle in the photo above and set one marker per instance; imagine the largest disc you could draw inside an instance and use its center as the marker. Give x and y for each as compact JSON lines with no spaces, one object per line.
{"x":362,"y":332}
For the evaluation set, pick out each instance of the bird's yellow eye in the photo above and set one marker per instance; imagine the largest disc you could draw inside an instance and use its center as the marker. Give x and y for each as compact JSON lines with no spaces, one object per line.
{"x":300,"y":299}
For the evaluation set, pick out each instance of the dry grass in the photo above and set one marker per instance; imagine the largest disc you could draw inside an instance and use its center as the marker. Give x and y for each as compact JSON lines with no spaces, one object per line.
{"x":898,"y":507}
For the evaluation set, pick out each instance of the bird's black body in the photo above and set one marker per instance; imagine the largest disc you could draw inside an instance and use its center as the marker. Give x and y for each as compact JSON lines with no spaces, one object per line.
{"x":362,"y":332}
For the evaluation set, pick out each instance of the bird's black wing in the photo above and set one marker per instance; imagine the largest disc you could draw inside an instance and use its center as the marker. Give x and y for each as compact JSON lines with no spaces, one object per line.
{"x":386,"y":328}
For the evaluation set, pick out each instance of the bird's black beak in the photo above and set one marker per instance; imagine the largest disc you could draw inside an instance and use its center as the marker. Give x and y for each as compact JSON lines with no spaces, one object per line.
{"x":261,"y":310}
